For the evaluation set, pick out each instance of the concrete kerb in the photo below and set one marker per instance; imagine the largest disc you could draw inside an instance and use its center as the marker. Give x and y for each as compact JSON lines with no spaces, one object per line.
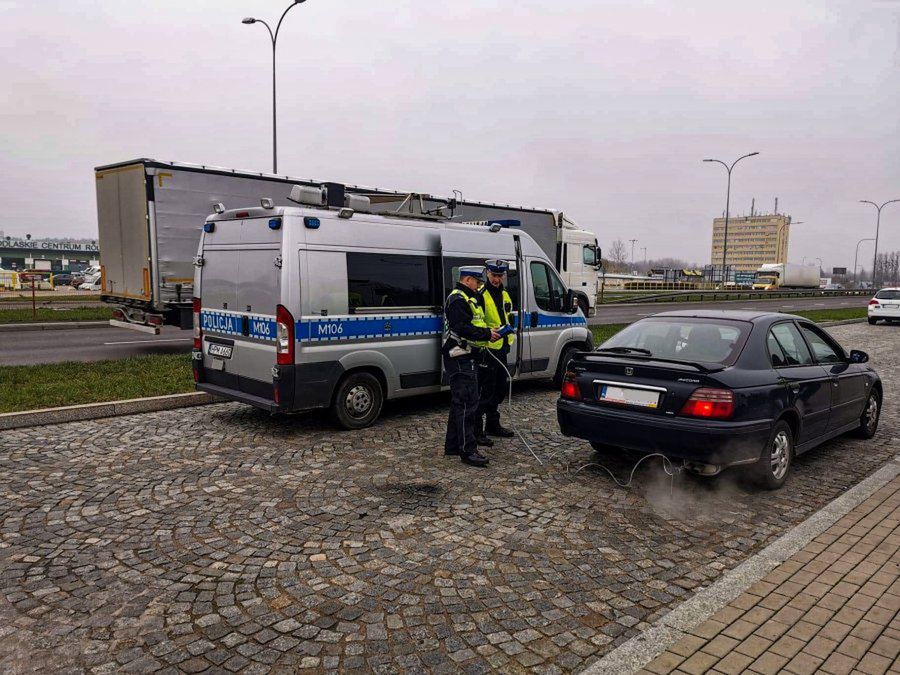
{"x":51,"y":325}
{"x":90,"y":411}
{"x":637,"y":652}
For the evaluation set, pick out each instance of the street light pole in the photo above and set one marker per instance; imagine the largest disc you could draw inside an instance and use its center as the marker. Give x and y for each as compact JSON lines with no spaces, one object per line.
{"x":728,"y":206}
{"x":274,"y":37}
{"x":644,"y":248}
{"x":877,"y":228}
{"x":632,"y":253}
{"x":856,"y":259}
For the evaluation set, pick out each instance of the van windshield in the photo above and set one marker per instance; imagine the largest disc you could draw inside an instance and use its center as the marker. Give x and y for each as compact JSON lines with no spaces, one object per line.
{"x":682,"y":339}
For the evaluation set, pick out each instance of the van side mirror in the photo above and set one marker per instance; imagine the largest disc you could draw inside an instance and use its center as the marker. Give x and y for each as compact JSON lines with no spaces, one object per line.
{"x":571,"y":304}
{"x":857,"y":356}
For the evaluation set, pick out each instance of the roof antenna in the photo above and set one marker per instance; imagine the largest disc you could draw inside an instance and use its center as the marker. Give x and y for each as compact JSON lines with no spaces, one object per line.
{"x":753,"y":207}
{"x":776,"y":206}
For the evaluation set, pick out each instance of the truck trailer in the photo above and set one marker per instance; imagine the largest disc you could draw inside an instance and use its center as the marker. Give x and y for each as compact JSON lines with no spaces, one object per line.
{"x":150,"y":216}
{"x":773,"y":276}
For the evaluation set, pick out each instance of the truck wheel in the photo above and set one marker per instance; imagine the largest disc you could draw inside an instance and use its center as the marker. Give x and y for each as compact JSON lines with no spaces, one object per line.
{"x":358,"y":401}
{"x":567,"y":353}
{"x":774,"y":465}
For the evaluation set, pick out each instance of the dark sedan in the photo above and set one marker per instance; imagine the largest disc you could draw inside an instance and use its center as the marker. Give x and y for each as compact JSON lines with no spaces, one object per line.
{"x":720,"y":388}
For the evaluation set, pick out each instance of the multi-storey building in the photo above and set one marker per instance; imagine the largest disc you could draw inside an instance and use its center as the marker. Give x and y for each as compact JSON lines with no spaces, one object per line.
{"x":752,"y":241}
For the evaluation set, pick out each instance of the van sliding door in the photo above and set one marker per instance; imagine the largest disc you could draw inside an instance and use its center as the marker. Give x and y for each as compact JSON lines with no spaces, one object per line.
{"x":460,"y":248}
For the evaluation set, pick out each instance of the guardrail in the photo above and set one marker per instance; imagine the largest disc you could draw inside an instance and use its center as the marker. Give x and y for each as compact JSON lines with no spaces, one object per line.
{"x":713,"y":296}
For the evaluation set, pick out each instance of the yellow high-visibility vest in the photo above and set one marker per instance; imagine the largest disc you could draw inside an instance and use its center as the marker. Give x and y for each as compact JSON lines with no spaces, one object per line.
{"x":494,"y":319}
{"x":477,"y":316}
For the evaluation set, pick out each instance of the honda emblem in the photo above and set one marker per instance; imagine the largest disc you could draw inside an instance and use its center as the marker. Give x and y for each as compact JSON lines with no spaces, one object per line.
{"x":629,"y":371}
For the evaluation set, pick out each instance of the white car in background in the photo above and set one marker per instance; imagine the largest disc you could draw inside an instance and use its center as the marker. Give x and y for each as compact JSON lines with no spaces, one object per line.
{"x":885,"y":305}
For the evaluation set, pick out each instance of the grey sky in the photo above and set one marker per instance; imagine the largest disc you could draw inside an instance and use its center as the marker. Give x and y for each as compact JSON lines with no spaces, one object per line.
{"x":602,"y":109}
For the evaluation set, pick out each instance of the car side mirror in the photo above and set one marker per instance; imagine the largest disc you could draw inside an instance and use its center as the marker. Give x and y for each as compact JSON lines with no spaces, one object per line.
{"x":857,"y":356}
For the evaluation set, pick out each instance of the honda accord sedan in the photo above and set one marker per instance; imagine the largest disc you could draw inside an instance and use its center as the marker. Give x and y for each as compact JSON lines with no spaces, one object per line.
{"x":716,"y":389}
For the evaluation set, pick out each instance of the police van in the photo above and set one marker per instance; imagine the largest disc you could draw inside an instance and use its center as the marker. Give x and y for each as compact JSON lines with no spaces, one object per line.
{"x":327,"y":305}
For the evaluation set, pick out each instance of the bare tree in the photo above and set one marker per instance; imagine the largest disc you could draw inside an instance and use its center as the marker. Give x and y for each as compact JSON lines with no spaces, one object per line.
{"x":618,"y":256}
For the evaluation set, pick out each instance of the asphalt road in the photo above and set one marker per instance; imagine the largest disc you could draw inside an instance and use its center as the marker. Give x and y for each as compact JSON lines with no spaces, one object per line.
{"x":626,"y":313}
{"x":88,"y":344}
{"x":96,"y":344}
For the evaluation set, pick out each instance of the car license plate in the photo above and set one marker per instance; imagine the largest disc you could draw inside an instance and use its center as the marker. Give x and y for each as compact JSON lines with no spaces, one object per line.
{"x":222,"y":351}
{"x":625,"y":396}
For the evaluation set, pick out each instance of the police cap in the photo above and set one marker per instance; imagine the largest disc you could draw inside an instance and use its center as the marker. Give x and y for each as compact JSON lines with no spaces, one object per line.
{"x":471,"y":271}
{"x":497,"y":266}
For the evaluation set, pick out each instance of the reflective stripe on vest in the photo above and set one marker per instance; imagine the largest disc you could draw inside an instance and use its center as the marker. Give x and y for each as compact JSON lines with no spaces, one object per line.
{"x":493,"y":318}
{"x":477,"y":316}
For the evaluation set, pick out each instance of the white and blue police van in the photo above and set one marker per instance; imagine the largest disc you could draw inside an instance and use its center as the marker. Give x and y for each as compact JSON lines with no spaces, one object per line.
{"x":327,"y":305}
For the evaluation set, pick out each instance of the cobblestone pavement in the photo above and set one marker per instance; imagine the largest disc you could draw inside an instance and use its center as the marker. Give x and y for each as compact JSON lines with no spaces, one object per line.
{"x":218,"y":538}
{"x":832,"y":607}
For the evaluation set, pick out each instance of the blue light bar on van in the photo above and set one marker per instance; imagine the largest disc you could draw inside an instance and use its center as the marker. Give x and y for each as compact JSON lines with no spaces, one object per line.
{"x":506,"y":222}
{"x":311,"y":223}
{"x":209,"y":227}
{"x":275,"y":224}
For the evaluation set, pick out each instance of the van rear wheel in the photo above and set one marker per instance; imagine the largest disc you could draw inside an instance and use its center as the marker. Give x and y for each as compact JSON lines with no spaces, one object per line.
{"x":358,"y":401}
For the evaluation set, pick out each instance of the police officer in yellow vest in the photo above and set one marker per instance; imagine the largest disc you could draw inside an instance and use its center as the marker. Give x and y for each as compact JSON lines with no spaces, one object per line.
{"x":465,"y":337}
{"x":493,"y":382}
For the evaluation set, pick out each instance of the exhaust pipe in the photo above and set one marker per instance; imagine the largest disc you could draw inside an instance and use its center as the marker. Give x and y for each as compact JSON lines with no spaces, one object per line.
{"x":703,"y":469}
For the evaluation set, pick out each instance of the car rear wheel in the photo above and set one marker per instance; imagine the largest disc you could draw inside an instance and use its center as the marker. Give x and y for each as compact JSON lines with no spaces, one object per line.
{"x":773,"y":467}
{"x":872,"y":321}
{"x":358,"y":401}
{"x":868,"y":421}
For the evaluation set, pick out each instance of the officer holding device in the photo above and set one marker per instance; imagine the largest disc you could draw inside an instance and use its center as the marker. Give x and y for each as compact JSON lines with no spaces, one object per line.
{"x":466,"y":335}
{"x":493,"y":380}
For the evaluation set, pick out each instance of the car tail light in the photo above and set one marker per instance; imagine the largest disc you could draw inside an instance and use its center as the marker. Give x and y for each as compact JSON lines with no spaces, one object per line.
{"x":284,"y":336}
{"x":198,"y":334}
{"x":711,"y":403}
{"x":570,"y":388}
{"x":873,"y":301}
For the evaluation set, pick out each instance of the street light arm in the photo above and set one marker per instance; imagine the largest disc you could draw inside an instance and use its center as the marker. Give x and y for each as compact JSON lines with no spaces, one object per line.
{"x":749,"y":154}
{"x":720,"y":162}
{"x":284,"y":14}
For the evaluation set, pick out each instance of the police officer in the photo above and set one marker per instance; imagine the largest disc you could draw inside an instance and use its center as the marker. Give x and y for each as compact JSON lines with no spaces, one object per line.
{"x":465,"y":336}
{"x":493,"y":380}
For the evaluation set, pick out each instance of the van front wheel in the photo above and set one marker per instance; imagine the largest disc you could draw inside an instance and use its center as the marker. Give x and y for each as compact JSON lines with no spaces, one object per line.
{"x":358,"y":401}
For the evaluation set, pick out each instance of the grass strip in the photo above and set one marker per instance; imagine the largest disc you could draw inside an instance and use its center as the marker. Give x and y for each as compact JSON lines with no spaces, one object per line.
{"x":839,"y":314}
{"x":49,"y":315}
{"x":48,"y":297}
{"x":49,"y":385}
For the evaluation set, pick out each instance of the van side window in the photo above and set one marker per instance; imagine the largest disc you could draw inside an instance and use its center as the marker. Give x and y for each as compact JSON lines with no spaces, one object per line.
{"x":451,"y":271}
{"x":388,"y":281}
{"x":549,"y":292}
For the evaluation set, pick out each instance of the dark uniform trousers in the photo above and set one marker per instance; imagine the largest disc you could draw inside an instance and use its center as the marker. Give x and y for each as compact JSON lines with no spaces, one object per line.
{"x":493,"y":385}
{"x":462,"y":375}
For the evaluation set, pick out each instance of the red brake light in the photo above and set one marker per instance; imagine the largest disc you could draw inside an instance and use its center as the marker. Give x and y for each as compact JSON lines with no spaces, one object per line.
{"x":284,"y":336}
{"x":198,"y":334}
{"x":570,"y":388}
{"x":711,"y":403}
{"x":873,"y":301}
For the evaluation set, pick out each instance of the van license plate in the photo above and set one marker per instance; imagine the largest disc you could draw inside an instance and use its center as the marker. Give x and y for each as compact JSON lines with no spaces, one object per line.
{"x":222,"y":351}
{"x":625,"y":396}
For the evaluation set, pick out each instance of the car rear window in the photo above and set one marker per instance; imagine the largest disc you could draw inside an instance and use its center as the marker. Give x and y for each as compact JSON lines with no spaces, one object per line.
{"x":888,"y":295}
{"x":685,"y":339}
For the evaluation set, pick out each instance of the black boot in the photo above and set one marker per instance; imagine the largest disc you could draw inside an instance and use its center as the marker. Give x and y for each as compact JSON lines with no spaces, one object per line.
{"x":499,"y":431}
{"x":475,"y":459}
{"x":484,"y":441}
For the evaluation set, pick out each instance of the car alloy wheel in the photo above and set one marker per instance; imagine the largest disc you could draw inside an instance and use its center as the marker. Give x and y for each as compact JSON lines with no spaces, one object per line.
{"x":780,"y":458}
